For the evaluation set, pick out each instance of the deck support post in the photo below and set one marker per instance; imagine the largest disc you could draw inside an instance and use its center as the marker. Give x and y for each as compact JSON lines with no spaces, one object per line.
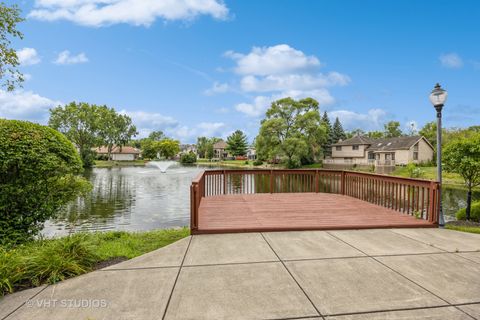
{"x":316,"y":181}
{"x":342,"y":183}
{"x":224,"y":182}
{"x":271,"y":181}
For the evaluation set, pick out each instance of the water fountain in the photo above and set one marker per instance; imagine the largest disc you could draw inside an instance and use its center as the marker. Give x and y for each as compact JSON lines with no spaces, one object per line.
{"x":162,"y":165}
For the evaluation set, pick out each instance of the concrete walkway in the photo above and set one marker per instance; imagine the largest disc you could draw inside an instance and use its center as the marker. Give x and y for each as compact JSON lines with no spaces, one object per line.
{"x":340,"y":275}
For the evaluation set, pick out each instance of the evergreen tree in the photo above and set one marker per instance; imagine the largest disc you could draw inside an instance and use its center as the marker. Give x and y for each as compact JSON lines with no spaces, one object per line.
{"x":338,"y":132}
{"x":237,"y":143}
{"x":327,"y":147}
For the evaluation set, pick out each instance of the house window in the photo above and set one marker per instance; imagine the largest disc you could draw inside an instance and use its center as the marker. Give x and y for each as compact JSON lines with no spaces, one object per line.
{"x":354,"y":147}
{"x":338,"y":148}
{"x":393,"y":156}
{"x":415,"y":155}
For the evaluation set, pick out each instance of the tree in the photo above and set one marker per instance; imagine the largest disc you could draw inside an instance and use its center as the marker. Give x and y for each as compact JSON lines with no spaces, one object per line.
{"x":429,"y":131}
{"x":114,"y":129}
{"x":149,"y":148}
{"x":355,"y":132}
{"x":375,"y":134}
{"x":39,"y":173}
{"x":168,"y":148}
{"x":9,"y":18}
{"x":237,"y":143}
{"x":202,"y":146}
{"x":327,"y":147}
{"x":80,"y":123}
{"x":156,"y":135}
{"x":188,"y":158}
{"x":291,"y":129}
{"x":338,"y":132}
{"x":392,"y":129}
{"x":462,"y":156}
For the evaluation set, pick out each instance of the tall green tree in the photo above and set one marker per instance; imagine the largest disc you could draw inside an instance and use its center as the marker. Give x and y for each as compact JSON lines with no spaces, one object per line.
{"x":237,"y":143}
{"x":39,"y":173}
{"x":80,"y":123}
{"x":156,"y":135}
{"x":202,"y":146}
{"x":291,"y":129}
{"x":168,"y":148}
{"x":375,"y":134}
{"x":115,"y":129}
{"x":327,"y":147}
{"x":462,"y":156}
{"x":338,"y":132}
{"x":10,"y":76}
{"x":392,"y":129}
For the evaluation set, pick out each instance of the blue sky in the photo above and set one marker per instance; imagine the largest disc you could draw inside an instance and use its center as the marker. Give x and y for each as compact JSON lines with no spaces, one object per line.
{"x":208,"y":67}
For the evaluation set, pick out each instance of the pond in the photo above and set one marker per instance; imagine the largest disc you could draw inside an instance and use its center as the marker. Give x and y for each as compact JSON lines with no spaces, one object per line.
{"x":145,"y":198}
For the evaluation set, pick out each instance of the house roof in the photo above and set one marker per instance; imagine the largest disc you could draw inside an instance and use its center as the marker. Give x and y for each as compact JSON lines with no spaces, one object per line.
{"x":356,"y":140}
{"x":384,"y":144}
{"x":117,"y":149}
{"x":390,"y":144}
{"x":220,"y":145}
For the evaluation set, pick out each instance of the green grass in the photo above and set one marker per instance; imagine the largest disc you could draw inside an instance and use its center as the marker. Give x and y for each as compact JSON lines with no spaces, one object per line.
{"x":110,"y":164}
{"x":471,"y":229}
{"x":53,"y":260}
{"x":312,"y":166}
{"x":431,"y":174}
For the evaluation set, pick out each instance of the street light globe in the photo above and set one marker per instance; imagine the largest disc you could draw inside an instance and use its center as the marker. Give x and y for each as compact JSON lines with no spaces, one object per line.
{"x":438,"y":96}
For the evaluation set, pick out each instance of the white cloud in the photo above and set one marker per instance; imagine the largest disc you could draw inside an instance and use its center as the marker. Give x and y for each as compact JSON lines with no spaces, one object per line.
{"x":451,"y":60}
{"x":292,"y":82}
{"x":28,"y":56}
{"x":65,"y":57}
{"x":279,"y":59}
{"x":372,"y":120}
{"x":25,"y":105}
{"x":217,"y":87}
{"x":281,"y":71}
{"x":98,"y":13}
{"x":146,"y":122}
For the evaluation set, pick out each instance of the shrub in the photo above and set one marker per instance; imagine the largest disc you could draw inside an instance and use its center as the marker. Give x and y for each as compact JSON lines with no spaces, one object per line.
{"x":39,"y":173}
{"x":188,"y":158}
{"x":474,"y":212}
{"x":257,"y":162}
{"x":414,"y":171}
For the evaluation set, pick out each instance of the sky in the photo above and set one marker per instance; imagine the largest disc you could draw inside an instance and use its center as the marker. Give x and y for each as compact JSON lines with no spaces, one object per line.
{"x":208,"y":67}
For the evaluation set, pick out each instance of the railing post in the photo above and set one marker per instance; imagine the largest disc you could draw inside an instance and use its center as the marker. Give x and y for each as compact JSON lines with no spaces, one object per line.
{"x":224,"y":182}
{"x":271,"y":181}
{"x":316,"y":181}
{"x":193,"y":208}
{"x":342,"y":183}
{"x":431,"y":204}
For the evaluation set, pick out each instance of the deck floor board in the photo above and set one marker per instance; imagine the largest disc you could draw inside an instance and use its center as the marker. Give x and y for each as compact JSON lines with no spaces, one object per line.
{"x":296,"y":211}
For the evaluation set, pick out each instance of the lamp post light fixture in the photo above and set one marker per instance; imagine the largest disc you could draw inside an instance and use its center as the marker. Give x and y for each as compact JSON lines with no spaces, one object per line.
{"x":438,"y":98}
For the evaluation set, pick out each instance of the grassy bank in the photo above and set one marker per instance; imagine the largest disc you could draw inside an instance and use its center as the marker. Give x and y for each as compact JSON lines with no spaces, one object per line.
{"x":471,"y":229}
{"x":110,"y":164}
{"x":430,"y":173}
{"x":50,"y":261}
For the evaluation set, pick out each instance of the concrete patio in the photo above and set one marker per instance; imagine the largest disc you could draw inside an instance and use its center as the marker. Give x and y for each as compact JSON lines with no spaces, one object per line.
{"x":354,"y":274}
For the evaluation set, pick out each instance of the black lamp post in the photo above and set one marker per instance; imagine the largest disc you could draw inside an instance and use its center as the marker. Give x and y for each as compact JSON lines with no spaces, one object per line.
{"x":438,"y":98}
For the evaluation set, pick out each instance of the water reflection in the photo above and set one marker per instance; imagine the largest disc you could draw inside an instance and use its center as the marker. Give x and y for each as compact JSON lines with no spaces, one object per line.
{"x":144,"y":198}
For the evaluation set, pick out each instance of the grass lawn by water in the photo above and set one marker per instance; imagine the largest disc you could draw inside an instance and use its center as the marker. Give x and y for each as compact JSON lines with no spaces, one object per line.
{"x":471,"y":229}
{"x":110,"y":164}
{"x":53,"y":260}
{"x":431,"y":174}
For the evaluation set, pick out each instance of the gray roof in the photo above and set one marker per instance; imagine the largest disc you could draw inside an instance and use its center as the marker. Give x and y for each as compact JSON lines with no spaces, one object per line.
{"x":390,"y":144}
{"x":356,"y":140}
{"x":384,"y":144}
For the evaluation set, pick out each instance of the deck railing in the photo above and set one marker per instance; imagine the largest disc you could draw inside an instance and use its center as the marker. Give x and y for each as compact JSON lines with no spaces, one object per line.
{"x":415,"y":197}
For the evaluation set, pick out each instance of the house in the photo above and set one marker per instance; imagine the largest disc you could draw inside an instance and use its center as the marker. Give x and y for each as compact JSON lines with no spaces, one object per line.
{"x":119,"y":153}
{"x":219,"y":150}
{"x":186,"y":148}
{"x":251,"y":153}
{"x":362,"y":150}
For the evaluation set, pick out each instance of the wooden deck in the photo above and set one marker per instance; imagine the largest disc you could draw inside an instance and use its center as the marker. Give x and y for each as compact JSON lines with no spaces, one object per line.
{"x":296,"y":211}
{"x":309,"y":199}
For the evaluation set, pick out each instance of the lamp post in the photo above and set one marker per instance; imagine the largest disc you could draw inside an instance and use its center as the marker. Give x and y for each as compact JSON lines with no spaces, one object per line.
{"x":438,"y":98}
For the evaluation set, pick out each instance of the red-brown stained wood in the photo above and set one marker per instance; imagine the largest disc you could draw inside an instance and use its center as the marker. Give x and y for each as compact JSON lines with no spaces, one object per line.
{"x":227,"y":201}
